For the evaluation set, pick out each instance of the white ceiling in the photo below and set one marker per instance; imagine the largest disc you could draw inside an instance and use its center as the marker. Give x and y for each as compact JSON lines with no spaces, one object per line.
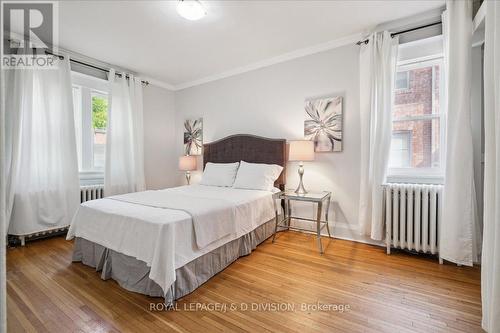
{"x":150,"y":38}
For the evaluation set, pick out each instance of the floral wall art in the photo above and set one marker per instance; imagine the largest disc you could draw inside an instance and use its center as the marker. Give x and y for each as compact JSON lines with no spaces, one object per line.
{"x":193,"y":136}
{"x":323,"y":123}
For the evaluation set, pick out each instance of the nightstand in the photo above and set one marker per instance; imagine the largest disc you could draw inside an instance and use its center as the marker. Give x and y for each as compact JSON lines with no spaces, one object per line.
{"x":319,"y":198}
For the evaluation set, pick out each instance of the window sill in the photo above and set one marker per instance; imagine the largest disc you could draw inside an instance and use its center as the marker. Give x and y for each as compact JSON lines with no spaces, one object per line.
{"x":416,"y":179}
{"x":91,"y":177}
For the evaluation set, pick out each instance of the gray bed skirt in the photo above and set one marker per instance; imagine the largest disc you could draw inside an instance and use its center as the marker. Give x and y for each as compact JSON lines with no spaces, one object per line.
{"x":133,"y":274}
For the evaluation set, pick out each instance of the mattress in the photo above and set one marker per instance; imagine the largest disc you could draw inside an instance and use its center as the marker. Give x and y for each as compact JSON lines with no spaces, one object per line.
{"x":164,"y":238}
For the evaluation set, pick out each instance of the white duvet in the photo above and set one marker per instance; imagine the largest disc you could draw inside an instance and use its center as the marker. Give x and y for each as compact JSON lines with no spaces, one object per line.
{"x":169,"y":228}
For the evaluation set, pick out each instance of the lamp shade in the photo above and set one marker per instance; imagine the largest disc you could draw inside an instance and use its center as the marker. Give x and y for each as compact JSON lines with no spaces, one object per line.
{"x":187,"y":163}
{"x":301,"y":150}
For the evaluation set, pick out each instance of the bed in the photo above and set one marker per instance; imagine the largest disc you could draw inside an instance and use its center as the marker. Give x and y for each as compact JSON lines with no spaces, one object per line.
{"x":167,"y":243}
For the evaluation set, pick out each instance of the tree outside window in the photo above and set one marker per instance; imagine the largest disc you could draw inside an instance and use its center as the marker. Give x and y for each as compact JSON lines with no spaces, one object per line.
{"x":99,"y":121}
{"x":99,"y":112}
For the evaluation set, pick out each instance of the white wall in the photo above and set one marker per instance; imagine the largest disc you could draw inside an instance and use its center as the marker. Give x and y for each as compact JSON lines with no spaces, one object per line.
{"x":160,"y":157}
{"x":270,"y":102}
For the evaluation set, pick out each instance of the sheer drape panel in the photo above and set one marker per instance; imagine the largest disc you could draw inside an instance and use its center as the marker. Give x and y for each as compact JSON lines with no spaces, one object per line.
{"x":42,"y":166}
{"x":124,"y":170}
{"x":377,"y":70}
{"x":3,"y":208}
{"x":490,"y":264}
{"x":458,"y":215}
{"x":17,"y":83}
{"x":135,"y":88}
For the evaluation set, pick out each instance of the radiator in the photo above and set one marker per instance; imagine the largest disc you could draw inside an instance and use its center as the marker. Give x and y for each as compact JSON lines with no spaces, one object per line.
{"x":412,"y":217}
{"x":91,"y":192}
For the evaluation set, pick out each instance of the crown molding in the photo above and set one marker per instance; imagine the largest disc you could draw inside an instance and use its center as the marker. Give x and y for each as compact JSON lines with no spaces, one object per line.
{"x":99,"y":63}
{"x":352,"y":39}
{"x":424,"y":17}
{"x":274,"y":60}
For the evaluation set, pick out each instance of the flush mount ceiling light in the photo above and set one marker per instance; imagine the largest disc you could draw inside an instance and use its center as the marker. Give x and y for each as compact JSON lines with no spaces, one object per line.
{"x":191,"y":9}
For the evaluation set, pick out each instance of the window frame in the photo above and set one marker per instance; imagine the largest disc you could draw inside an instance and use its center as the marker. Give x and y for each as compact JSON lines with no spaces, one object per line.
{"x":89,"y":86}
{"x":424,"y":175}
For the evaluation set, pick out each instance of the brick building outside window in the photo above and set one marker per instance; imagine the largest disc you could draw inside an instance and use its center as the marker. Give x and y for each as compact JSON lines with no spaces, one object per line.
{"x":417,"y":137}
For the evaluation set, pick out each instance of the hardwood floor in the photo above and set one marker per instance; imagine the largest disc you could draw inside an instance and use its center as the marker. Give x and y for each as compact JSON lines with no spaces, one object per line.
{"x":396,"y":293}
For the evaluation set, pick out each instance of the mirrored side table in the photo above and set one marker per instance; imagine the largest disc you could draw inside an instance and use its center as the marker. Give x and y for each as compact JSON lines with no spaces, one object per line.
{"x":320,"y":198}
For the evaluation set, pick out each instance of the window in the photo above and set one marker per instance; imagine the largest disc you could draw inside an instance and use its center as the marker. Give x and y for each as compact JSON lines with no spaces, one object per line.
{"x":400,"y":149}
{"x":90,"y":99}
{"x":402,"y":80}
{"x":99,"y":120}
{"x":417,"y":118}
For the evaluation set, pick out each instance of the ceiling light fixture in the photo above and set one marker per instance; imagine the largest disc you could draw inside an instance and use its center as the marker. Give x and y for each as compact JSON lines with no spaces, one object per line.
{"x":191,"y":9}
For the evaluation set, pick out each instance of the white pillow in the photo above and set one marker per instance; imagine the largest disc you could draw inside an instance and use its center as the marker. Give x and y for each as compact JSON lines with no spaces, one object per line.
{"x":219,"y":174}
{"x":257,"y":176}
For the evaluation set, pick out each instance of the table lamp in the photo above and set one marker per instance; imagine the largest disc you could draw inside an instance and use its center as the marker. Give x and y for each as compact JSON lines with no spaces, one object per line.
{"x":187,"y":163}
{"x":301,"y":150}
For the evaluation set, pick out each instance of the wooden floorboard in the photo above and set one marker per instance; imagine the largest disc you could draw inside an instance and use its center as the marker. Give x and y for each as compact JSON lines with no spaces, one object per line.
{"x":280,"y":284}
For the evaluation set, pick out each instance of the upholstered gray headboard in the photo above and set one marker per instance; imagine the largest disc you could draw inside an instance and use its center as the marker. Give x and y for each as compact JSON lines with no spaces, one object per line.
{"x":248,"y":148}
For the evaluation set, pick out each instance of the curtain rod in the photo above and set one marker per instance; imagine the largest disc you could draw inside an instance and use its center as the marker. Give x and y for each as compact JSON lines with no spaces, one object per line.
{"x":146,"y":83}
{"x":403,"y":31}
{"x":91,"y":66}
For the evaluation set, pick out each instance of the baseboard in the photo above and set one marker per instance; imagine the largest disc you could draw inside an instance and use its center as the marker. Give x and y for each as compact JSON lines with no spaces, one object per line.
{"x":339,"y":230}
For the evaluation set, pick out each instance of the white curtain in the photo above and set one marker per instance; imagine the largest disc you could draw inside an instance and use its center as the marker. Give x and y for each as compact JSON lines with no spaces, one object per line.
{"x":40,"y":161}
{"x":490,"y":265}
{"x":458,"y":215}
{"x":124,"y":171}
{"x":3,"y":210}
{"x":377,"y":70}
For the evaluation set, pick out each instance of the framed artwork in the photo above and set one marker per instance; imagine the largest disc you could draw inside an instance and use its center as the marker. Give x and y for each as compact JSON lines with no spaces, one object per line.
{"x":323,"y":123}
{"x":193,"y":136}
